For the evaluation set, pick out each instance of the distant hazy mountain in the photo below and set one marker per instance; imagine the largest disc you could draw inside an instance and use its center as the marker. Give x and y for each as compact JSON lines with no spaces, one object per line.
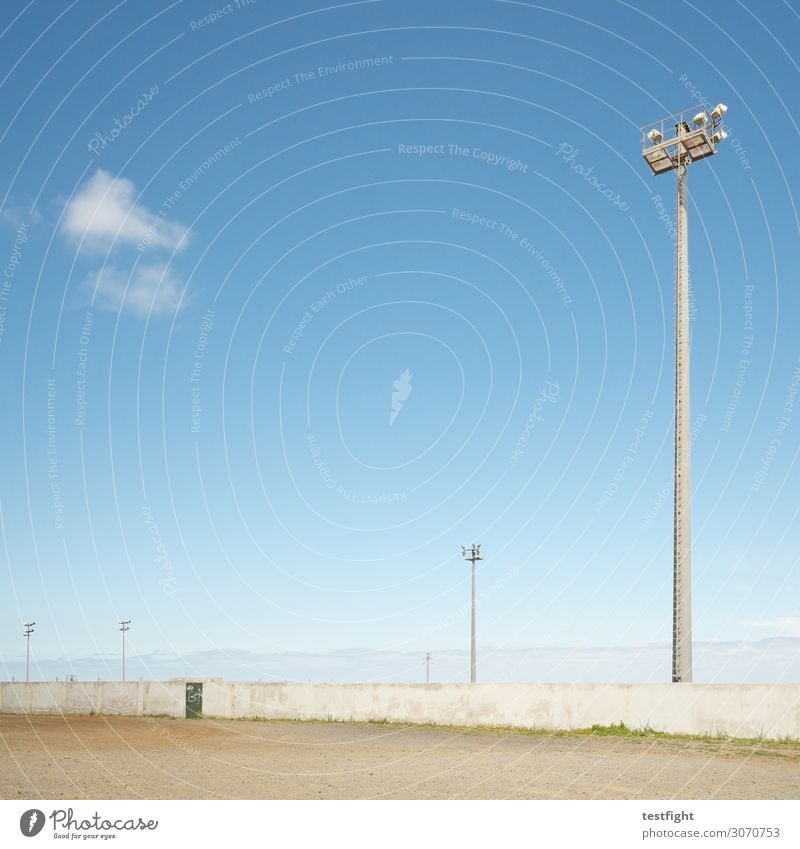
{"x":769,"y":660}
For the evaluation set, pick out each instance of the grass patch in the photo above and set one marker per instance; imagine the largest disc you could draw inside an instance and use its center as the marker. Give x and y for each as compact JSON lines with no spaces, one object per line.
{"x":719,"y":741}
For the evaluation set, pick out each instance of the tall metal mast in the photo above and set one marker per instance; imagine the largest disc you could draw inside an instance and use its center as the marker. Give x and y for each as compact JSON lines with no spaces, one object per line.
{"x":665,"y":150}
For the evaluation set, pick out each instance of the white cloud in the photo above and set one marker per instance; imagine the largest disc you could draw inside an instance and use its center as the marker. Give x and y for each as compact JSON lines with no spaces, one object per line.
{"x":103,"y":213}
{"x":147,"y":290}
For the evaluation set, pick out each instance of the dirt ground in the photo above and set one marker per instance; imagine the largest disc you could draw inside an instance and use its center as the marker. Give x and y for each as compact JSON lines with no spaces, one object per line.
{"x":101,"y":757}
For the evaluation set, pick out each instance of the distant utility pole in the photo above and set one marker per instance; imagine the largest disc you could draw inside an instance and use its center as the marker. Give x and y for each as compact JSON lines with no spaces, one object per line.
{"x":27,"y":634}
{"x":672,"y":144}
{"x":124,"y":625}
{"x":473,"y":554}
{"x":428,"y":662}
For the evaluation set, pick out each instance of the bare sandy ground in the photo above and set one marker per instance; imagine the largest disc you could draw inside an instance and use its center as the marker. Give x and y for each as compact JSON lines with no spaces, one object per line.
{"x":101,"y":757}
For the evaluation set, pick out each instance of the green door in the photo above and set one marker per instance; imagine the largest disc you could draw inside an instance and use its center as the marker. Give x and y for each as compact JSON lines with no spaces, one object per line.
{"x":194,"y":700}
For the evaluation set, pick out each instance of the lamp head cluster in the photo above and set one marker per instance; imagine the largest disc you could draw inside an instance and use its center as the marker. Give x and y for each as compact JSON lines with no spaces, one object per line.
{"x":472,"y":553}
{"x":124,"y":624}
{"x":683,"y":138}
{"x":28,"y":626}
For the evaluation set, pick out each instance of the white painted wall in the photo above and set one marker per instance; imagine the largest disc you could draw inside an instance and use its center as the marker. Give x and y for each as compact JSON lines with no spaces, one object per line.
{"x":745,"y":710}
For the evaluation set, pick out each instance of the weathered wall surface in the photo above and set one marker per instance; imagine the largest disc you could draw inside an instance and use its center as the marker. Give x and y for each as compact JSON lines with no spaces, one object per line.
{"x":769,"y":710}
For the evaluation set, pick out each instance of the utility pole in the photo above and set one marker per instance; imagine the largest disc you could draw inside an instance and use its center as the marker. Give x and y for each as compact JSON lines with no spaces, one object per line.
{"x":472,"y":554}
{"x":665,"y":150}
{"x":428,"y":662}
{"x":124,"y":625}
{"x":27,"y":634}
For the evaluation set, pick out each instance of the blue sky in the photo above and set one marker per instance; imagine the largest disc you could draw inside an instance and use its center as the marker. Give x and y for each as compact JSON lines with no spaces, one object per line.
{"x":229,"y":231}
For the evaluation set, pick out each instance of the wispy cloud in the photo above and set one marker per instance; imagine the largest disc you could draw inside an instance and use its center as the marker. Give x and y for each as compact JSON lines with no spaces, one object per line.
{"x":788,"y":626}
{"x":104,"y":213}
{"x":147,"y":290}
{"x":13,"y":216}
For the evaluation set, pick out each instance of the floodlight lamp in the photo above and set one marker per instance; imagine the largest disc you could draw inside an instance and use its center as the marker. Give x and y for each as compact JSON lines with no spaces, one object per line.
{"x":700,"y":119}
{"x":719,"y":136}
{"x":719,"y":110}
{"x":655,"y":136}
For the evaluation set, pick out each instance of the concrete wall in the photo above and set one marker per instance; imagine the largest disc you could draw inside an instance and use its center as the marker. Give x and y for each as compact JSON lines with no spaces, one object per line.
{"x":99,"y":697}
{"x":745,"y":710}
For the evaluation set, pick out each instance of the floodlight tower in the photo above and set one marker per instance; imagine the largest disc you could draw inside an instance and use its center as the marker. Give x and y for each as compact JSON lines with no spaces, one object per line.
{"x":667,"y":149}
{"x":473,"y":554}
{"x":28,"y":626}
{"x":124,"y":625}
